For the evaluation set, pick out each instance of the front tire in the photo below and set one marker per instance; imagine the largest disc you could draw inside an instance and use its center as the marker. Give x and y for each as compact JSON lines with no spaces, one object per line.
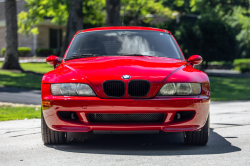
{"x":198,"y":137}
{"x":50,"y":136}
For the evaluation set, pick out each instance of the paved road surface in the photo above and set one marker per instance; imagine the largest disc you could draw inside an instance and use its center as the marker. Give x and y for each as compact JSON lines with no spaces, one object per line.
{"x":20,"y":96}
{"x":229,"y":144}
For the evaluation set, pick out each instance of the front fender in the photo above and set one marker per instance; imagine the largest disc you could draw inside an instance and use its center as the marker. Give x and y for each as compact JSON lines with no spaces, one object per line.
{"x":187,"y":74}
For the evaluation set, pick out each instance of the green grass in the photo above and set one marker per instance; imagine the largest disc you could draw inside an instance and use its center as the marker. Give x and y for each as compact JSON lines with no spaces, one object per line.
{"x":35,"y":67}
{"x":229,"y":88}
{"x":25,"y":80}
{"x":21,"y":80}
{"x":14,"y":113}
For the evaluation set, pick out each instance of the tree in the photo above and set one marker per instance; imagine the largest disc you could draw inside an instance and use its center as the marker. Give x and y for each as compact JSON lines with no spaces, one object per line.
{"x":217,"y":41}
{"x":62,"y":14}
{"x":142,"y":12}
{"x":218,"y":30}
{"x":241,"y":21}
{"x":113,"y":12}
{"x":75,"y":17}
{"x":75,"y":22}
{"x":213,"y":39}
{"x":11,"y":53}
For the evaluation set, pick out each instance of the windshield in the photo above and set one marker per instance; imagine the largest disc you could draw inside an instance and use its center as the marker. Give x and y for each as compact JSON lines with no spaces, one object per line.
{"x":124,"y":42}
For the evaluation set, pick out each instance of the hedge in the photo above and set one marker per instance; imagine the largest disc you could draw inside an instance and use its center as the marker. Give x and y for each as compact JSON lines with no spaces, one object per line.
{"x":243,"y":65}
{"x":23,"y":51}
{"x":44,"y":52}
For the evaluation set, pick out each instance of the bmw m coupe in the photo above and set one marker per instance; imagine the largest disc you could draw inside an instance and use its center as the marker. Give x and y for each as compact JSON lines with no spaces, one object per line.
{"x":118,"y":79}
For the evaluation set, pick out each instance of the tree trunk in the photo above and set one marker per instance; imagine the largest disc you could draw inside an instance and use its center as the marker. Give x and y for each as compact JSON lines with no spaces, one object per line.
{"x":66,"y":40}
{"x":113,"y":12}
{"x":75,"y":22}
{"x":75,"y":17}
{"x":11,"y":53}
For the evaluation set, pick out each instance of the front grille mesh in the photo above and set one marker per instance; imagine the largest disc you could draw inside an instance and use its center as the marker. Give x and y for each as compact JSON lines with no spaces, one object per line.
{"x":114,"y":88}
{"x":138,"y":88}
{"x":126,"y":118}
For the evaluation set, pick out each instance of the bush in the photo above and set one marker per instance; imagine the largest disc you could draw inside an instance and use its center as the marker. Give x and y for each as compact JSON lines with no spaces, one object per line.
{"x":243,"y":65}
{"x":44,"y":52}
{"x":3,"y":51}
{"x":23,"y":51}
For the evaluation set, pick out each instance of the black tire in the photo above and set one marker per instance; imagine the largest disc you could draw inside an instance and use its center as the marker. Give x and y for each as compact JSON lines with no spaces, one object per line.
{"x":50,"y":136}
{"x":198,"y":137}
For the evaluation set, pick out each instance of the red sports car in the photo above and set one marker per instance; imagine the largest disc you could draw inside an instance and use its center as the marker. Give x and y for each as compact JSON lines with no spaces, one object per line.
{"x":125,"y":79}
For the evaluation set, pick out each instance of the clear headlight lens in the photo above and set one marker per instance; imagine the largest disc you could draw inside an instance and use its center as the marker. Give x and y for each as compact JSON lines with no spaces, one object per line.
{"x":183,"y":88}
{"x":168,"y":89}
{"x":68,"y":89}
{"x":180,"y":89}
{"x":71,"y":89}
{"x":84,"y":90}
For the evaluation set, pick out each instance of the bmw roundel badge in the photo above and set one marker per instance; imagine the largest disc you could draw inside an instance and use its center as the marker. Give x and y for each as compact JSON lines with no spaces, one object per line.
{"x":126,"y":77}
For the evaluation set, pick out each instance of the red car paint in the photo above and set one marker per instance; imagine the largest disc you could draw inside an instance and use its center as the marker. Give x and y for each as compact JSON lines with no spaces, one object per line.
{"x":195,"y":59}
{"x":95,"y":70}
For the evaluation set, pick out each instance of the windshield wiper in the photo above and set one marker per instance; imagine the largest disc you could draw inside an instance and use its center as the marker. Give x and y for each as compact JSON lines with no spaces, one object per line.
{"x":134,"y":55}
{"x":82,"y":56}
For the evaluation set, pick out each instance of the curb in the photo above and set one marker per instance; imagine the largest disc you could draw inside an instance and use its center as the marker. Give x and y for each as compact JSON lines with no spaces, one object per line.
{"x":4,"y":104}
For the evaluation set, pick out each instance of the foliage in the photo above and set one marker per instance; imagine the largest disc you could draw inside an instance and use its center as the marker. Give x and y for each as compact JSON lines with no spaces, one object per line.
{"x":233,"y":12}
{"x":243,"y":65}
{"x":221,"y":7}
{"x":3,"y":51}
{"x":139,"y":12}
{"x":44,"y":52}
{"x":93,"y":13}
{"x":18,"y":113}
{"x":40,"y":9}
{"x":22,"y":51}
{"x":241,"y":20}
{"x":214,"y":40}
{"x":217,"y":40}
{"x":196,"y":16}
{"x":58,"y":12}
{"x":182,"y":6}
{"x":136,"y":13}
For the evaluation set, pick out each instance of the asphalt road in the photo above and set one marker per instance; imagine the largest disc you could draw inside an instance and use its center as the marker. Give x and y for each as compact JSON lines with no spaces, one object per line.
{"x":229,"y":144}
{"x":20,"y":96}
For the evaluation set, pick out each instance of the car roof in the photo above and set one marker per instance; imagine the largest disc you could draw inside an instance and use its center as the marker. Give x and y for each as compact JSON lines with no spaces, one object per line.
{"x":124,"y":28}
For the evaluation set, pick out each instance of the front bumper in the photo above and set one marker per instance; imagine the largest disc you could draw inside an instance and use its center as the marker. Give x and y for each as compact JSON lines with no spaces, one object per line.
{"x":84,"y":105}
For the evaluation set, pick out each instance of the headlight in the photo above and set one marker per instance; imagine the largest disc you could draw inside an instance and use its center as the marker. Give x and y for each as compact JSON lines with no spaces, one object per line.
{"x":71,"y":89}
{"x":180,"y":89}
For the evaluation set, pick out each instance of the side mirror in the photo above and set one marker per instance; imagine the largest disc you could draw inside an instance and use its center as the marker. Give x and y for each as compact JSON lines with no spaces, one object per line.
{"x":195,"y":60}
{"x":53,"y":60}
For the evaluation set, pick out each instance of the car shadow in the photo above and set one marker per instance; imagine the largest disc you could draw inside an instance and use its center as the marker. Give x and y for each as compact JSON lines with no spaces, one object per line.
{"x":143,"y":144}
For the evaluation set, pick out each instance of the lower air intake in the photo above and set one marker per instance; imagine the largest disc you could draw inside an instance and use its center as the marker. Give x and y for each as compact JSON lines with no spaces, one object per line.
{"x":127,"y":118}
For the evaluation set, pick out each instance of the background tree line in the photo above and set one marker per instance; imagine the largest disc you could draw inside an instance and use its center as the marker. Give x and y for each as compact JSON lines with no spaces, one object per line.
{"x":218,"y":30}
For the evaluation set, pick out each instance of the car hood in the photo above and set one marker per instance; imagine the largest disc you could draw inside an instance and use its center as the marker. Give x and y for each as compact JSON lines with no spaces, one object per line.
{"x":113,"y":68}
